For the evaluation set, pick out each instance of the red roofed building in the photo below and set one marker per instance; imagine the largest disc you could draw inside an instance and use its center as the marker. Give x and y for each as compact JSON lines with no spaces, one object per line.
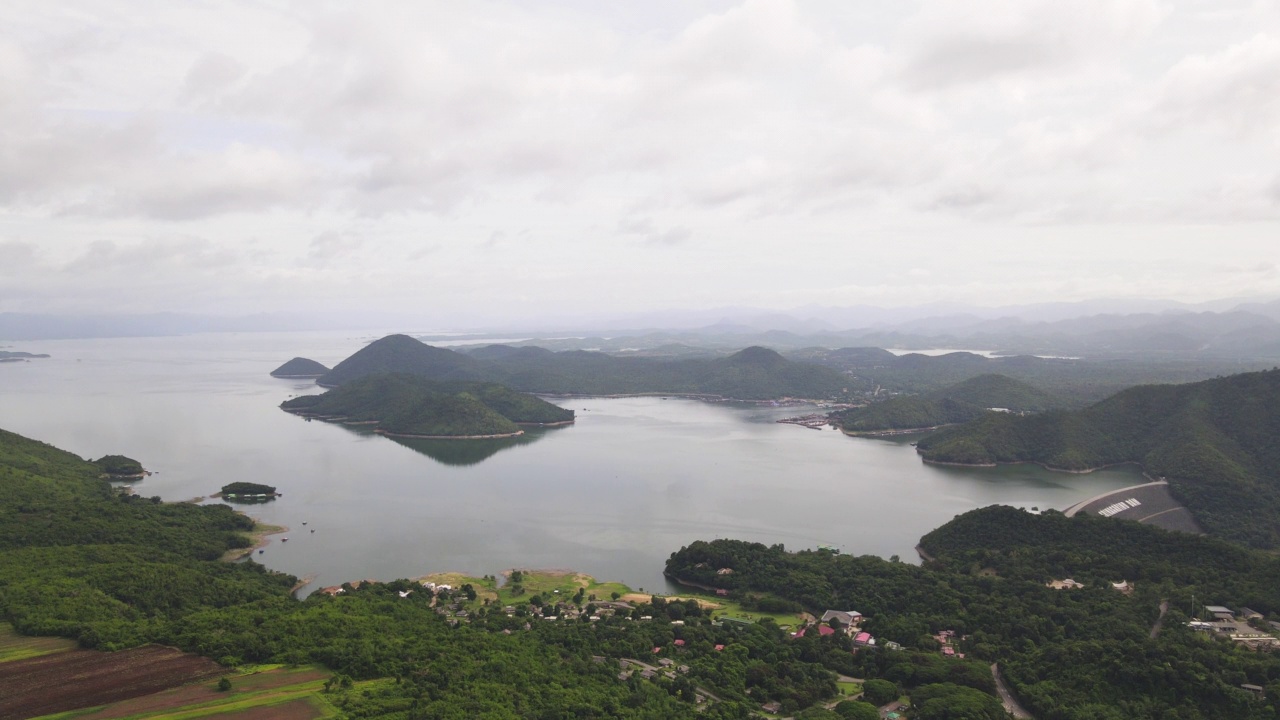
{"x":657,"y":649}
{"x":679,"y":643}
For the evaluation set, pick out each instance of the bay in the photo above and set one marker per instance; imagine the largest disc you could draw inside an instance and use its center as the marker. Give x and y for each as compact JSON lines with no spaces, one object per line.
{"x":613,"y":495}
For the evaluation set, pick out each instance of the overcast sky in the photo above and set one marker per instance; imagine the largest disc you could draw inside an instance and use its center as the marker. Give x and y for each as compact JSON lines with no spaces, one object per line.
{"x":486,"y":161}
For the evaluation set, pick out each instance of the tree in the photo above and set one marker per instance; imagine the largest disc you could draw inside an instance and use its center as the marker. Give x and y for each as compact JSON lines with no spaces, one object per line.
{"x":224,"y":684}
{"x":879,"y":692}
{"x":857,"y":710}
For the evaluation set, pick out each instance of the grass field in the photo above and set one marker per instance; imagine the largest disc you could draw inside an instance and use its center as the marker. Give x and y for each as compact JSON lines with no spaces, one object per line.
{"x":534,"y":582}
{"x":20,"y":647}
{"x":274,"y":692}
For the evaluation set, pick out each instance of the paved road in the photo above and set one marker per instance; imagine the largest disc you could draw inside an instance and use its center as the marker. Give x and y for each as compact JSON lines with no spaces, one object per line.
{"x":1010,"y":703}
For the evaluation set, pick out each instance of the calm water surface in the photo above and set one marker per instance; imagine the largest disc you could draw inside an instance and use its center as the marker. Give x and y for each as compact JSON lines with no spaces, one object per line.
{"x":632,"y":481}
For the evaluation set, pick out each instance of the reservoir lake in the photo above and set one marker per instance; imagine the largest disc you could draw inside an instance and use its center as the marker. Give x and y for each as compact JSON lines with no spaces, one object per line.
{"x":613,"y":495}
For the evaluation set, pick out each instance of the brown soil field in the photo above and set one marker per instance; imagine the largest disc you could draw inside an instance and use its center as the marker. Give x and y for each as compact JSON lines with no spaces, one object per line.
{"x":85,"y":678}
{"x":204,"y":692}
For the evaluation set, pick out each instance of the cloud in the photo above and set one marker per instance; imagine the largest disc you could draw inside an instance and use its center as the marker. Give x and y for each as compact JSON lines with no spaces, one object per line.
{"x":16,"y":257}
{"x":333,"y":245}
{"x":645,"y":232}
{"x":962,"y":42}
{"x":1237,"y":88}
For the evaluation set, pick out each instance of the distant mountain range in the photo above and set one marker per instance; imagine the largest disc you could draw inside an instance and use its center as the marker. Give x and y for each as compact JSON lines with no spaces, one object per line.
{"x":1215,"y":441}
{"x":1230,"y":328}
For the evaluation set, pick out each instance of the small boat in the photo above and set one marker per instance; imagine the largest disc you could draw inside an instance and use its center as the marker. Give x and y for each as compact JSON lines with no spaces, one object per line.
{"x":284,"y":539}
{"x":261,"y":551}
{"x":304,"y":522}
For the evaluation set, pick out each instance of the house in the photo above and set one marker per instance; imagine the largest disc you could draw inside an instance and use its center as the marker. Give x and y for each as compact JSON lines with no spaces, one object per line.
{"x":657,"y":650}
{"x":666,"y":662}
{"x":823,"y":630}
{"x":1255,"y":689}
{"x":719,"y":648}
{"x":864,"y":639}
{"x":721,"y":592}
{"x":679,"y":643}
{"x":1123,"y":586}
{"x":1067,"y":584}
{"x":773,"y":708}
{"x":725,"y":571}
{"x":891,"y":645}
{"x":948,"y":651}
{"x":845,"y":618}
{"x":1248,"y":614}
{"x":1219,"y":612}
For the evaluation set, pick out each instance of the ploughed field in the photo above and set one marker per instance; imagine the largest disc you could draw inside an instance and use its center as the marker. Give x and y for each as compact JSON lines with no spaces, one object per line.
{"x":73,"y":679}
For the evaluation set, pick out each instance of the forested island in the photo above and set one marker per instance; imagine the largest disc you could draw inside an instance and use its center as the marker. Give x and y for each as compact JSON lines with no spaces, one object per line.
{"x":247,"y":491}
{"x":754,"y":373}
{"x":407,"y":405}
{"x":300,"y":367}
{"x":958,"y":403}
{"x":1215,"y":442}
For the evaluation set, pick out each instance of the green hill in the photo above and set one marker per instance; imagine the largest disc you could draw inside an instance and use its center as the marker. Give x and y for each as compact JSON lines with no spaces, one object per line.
{"x":403,"y":354}
{"x":405,"y":404}
{"x":956,"y":404}
{"x":300,"y":367}
{"x":755,"y":373}
{"x":1214,"y":440}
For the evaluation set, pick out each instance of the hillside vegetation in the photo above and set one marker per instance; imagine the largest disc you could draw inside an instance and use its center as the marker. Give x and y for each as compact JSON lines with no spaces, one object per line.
{"x":958,"y":403}
{"x":753,"y":373}
{"x":406,"y":404}
{"x":1084,"y":654}
{"x":1215,"y":441}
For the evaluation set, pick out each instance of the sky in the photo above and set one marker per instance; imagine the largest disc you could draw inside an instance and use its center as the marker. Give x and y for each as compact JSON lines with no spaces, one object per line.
{"x":496,"y":162}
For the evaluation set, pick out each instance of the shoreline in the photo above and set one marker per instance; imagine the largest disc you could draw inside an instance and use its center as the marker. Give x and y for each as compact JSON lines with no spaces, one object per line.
{"x":893,"y":432}
{"x":1050,"y":468}
{"x":260,"y":535}
{"x":342,"y":420}
{"x":386,"y":433}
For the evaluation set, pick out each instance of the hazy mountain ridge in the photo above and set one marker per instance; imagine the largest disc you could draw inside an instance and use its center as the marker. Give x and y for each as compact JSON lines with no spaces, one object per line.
{"x":1214,"y":440}
{"x":754,"y":373}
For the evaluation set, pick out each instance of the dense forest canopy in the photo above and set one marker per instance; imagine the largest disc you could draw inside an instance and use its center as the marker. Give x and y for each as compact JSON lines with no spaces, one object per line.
{"x":405,"y":404}
{"x":1215,"y":441}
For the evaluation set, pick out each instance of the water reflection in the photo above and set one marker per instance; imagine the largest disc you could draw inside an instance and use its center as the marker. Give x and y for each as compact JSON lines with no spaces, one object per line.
{"x":459,"y":453}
